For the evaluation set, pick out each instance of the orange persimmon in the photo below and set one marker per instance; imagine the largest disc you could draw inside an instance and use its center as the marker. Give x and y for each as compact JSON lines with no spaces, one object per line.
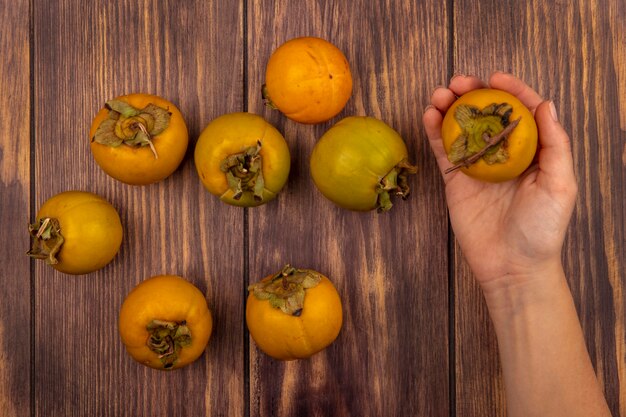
{"x":139,"y":139}
{"x":490,"y":115}
{"x":294,"y":313}
{"x":76,"y":232}
{"x":165,"y":322}
{"x":308,"y":79}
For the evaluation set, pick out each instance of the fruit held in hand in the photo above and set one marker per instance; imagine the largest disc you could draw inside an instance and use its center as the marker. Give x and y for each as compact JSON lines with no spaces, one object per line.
{"x":76,"y":232}
{"x":360,"y":163}
{"x":139,"y":139}
{"x":489,"y":135}
{"x":294,"y":313}
{"x":165,"y":322}
{"x":308,"y":79}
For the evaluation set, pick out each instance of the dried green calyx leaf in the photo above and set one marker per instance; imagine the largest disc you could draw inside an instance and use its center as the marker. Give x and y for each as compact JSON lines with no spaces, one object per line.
{"x":266,"y":98}
{"x":458,"y":150}
{"x":483,"y":135}
{"x":131,"y":126}
{"x":47,"y":240}
{"x":286,"y":290}
{"x":121,"y":107}
{"x":157,"y":118}
{"x":395,"y":182}
{"x":166,"y":339}
{"x":244,"y":172}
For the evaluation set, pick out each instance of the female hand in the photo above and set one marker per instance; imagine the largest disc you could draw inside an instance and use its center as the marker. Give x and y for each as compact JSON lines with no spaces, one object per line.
{"x":509,"y":231}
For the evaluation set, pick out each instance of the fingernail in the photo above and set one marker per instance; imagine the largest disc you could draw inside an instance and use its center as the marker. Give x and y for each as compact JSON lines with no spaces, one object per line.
{"x":457,"y":75}
{"x":430,"y":106}
{"x":555,"y":117}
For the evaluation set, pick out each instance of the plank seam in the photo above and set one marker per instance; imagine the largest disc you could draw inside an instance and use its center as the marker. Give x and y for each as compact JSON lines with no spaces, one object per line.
{"x":450,"y":248}
{"x":31,"y":65}
{"x":246,"y":234}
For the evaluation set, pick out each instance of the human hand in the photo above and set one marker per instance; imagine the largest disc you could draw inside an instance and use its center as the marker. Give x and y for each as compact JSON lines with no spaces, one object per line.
{"x":509,"y":232}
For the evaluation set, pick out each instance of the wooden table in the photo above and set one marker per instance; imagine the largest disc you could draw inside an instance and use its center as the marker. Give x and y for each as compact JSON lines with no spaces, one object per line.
{"x":416,"y":338}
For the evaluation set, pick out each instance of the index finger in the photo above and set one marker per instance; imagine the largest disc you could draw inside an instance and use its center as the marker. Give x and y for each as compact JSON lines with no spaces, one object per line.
{"x":432,"y":120}
{"x":517,"y":87}
{"x":461,"y":84}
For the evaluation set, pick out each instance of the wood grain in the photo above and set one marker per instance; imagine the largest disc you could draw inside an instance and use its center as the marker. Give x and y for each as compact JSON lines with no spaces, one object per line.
{"x":15,"y":297}
{"x":543,"y":44}
{"x":86,"y":53}
{"x":391,"y":357}
{"x":59,"y":347}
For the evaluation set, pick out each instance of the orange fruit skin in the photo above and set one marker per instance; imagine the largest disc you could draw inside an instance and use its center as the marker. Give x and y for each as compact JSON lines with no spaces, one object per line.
{"x":231,"y":133}
{"x":170,"y":298}
{"x":137,"y":165}
{"x":308,"y":79}
{"x":287,"y":337}
{"x":91,"y":229}
{"x":522,"y":141}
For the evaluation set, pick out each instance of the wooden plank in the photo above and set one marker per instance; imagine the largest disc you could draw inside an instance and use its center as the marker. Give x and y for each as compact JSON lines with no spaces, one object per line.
{"x":543,"y":44}
{"x":86,"y":53}
{"x":391,"y":357}
{"x":15,"y":297}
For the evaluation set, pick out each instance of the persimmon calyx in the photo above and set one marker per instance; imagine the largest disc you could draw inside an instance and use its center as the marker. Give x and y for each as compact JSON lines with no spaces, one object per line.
{"x":166,"y":339}
{"x":484,"y":134}
{"x":131,"y":126}
{"x":394,"y":182}
{"x":47,"y":240}
{"x":266,"y":98}
{"x":286,"y":290}
{"x":244,"y":172}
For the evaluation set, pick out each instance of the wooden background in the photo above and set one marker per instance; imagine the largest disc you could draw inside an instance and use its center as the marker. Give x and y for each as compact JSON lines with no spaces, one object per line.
{"x":417,"y":339}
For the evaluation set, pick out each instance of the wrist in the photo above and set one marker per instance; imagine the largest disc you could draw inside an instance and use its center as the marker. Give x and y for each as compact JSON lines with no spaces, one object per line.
{"x":513,"y":293}
{"x":545,"y":363}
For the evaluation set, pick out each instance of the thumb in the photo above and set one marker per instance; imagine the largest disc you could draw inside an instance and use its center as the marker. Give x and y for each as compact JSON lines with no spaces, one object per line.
{"x":556,"y":164}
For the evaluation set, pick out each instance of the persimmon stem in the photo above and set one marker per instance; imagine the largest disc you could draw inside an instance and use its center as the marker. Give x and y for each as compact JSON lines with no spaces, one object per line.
{"x":47,"y":240}
{"x":43,"y":226}
{"x":141,"y":127}
{"x":166,"y":339}
{"x":394,"y":182}
{"x":244,"y":172}
{"x":266,"y":98}
{"x":286,"y":289}
{"x":131,"y":126}
{"x":490,"y":142}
